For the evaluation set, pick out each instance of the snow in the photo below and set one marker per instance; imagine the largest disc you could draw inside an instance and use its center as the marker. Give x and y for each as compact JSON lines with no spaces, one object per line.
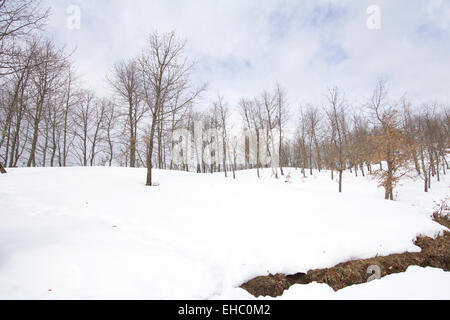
{"x":415,"y":284}
{"x":99,"y":233}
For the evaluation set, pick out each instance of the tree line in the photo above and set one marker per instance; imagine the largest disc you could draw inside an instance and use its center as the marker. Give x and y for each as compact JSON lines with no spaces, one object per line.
{"x":47,"y":117}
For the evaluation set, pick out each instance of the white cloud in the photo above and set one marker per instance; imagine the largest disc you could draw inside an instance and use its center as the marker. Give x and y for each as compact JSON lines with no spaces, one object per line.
{"x":245,"y":46}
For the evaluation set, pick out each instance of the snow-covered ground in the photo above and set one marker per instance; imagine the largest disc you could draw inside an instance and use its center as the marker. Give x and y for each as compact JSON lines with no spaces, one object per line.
{"x":415,"y":284}
{"x":99,"y":233}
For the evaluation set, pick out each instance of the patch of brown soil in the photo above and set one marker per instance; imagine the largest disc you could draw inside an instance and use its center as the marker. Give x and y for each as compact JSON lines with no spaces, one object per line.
{"x":435,"y":253}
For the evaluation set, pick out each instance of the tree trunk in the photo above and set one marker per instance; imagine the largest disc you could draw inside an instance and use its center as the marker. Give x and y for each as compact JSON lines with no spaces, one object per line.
{"x":280,"y":151}
{"x":429,"y":179}
{"x":149,"y":166}
{"x":132,"y":150}
{"x":389,"y":195}
{"x":416,"y":163}
{"x":437,"y":167}
{"x":133,"y":138}
{"x":443,"y":167}
{"x":258,"y":161}
{"x":433,"y":168}
{"x":2,"y":170}
{"x":149,"y":156}
{"x":224,"y":159}
{"x":446,"y":163}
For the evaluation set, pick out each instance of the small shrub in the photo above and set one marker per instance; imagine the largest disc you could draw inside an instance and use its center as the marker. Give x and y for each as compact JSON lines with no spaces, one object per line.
{"x":442,"y":209}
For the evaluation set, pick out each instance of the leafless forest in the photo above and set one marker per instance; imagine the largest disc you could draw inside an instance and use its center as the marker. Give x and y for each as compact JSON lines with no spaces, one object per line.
{"x":48,"y":119}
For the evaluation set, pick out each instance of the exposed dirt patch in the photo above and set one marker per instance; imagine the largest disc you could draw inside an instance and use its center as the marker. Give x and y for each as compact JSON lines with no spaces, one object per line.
{"x":435,"y":253}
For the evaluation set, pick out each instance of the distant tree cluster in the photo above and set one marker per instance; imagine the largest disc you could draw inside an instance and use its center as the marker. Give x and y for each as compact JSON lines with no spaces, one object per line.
{"x":385,"y":139}
{"x":47,"y":118}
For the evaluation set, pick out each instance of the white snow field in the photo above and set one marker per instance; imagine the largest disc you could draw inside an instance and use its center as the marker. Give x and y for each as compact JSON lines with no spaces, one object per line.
{"x":99,"y":233}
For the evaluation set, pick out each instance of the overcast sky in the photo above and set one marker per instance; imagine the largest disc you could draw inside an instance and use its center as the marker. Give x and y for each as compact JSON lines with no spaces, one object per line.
{"x":244,"y":46}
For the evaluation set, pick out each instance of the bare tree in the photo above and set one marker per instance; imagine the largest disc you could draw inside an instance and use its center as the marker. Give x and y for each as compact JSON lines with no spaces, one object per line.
{"x":224,"y":115}
{"x":98,"y":125}
{"x":16,"y":105}
{"x":252,"y":113}
{"x":360,"y":141}
{"x":165,"y":76}
{"x":179,"y":118}
{"x":301,"y":145}
{"x":313,"y":116}
{"x":282,"y":115}
{"x":70,"y":99}
{"x":336,"y":117}
{"x":109,"y":127}
{"x":46,"y":79}
{"x":83,"y":118}
{"x":127,"y":84}
{"x":19,"y":19}
{"x":269,"y":120}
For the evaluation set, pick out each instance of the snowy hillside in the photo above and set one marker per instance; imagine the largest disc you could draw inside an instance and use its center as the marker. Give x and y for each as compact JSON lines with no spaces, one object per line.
{"x":99,"y":233}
